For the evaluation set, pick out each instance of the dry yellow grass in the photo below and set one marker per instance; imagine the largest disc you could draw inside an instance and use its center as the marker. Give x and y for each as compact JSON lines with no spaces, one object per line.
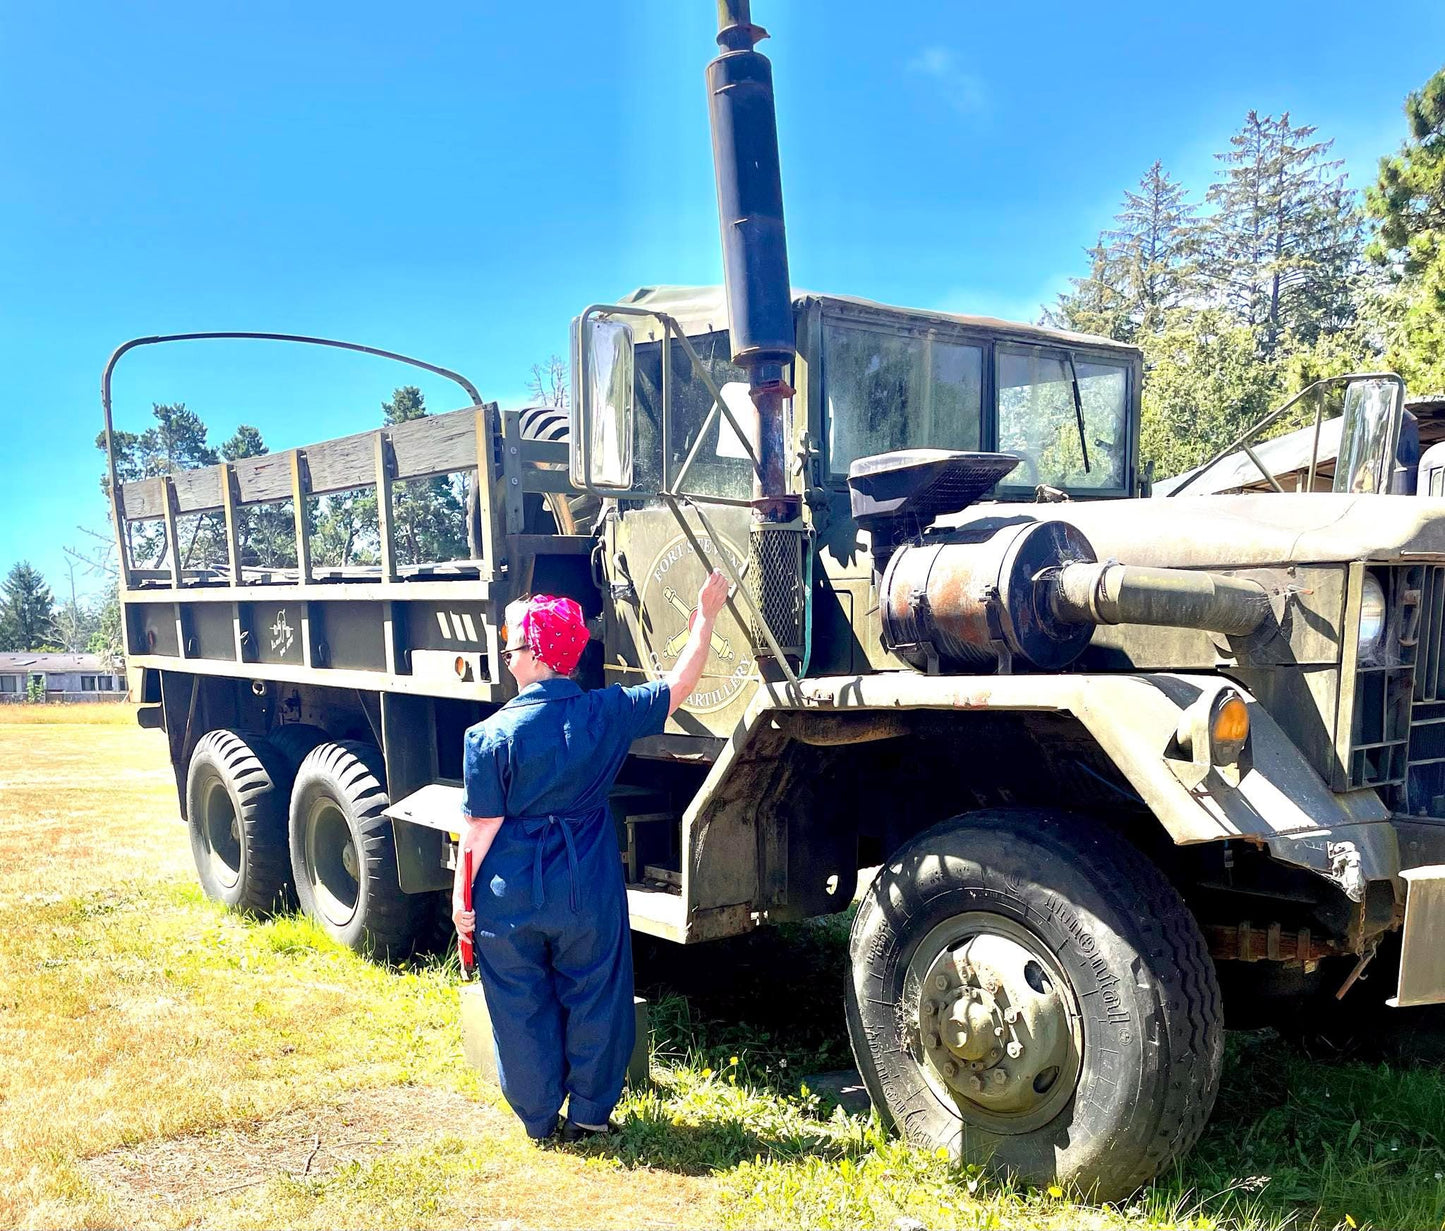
{"x":163,"y":1063}
{"x":102,"y":713}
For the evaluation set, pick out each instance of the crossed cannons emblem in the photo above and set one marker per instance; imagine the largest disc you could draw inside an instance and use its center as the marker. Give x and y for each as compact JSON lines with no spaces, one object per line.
{"x":720,"y":644}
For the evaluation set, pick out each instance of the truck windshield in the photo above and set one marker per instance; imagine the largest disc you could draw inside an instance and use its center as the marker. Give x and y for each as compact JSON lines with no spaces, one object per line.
{"x":891,"y":390}
{"x":1038,"y":421}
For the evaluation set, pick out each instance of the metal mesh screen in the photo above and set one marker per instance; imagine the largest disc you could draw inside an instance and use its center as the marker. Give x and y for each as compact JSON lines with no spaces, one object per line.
{"x":779,"y":586}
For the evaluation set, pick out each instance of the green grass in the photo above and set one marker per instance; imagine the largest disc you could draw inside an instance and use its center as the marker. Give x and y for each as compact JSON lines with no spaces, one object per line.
{"x":1292,"y":1142}
{"x":136,"y":1016}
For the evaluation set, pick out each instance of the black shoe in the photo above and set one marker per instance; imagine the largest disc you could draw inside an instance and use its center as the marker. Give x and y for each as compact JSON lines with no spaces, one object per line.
{"x":571,"y":1132}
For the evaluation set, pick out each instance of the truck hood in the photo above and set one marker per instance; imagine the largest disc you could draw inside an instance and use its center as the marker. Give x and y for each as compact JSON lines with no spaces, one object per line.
{"x":1245,"y":531}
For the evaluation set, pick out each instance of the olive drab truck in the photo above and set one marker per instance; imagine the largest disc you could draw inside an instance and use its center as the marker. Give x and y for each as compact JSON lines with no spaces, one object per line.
{"x":1121,"y":763}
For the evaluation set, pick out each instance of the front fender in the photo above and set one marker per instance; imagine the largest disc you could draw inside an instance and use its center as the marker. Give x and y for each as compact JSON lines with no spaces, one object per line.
{"x":1280,"y":801}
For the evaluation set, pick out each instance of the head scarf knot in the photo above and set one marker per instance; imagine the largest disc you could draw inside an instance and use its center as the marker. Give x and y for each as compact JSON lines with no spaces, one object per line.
{"x":555,"y":631}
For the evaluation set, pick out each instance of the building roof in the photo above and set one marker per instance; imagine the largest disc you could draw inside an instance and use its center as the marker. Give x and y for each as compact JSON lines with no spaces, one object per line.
{"x":1282,"y":455}
{"x":1291,"y":452}
{"x":33,"y":660}
{"x":703,"y":309}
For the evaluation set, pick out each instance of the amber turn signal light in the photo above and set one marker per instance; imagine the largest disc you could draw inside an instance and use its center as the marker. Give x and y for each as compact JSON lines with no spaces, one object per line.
{"x":1228,"y":728}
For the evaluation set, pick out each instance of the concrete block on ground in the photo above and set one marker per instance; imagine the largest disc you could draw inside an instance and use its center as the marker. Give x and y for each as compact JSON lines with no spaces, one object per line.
{"x":479,"y":1048}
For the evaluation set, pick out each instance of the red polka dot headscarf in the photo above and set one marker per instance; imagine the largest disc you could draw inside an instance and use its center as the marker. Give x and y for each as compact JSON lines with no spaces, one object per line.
{"x":552,"y":628}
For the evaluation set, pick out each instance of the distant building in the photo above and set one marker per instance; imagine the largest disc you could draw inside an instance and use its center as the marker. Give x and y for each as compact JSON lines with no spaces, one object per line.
{"x":65,"y":677}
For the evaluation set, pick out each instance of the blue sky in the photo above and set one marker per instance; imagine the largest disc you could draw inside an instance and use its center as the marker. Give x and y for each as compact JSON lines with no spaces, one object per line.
{"x":457,"y":180}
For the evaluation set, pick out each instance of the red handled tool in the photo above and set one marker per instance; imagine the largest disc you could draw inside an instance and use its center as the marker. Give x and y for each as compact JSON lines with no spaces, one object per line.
{"x":465,"y":942}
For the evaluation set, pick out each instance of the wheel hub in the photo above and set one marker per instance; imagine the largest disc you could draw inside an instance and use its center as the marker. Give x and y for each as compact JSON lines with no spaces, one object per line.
{"x":996,"y":1025}
{"x":332,"y":865}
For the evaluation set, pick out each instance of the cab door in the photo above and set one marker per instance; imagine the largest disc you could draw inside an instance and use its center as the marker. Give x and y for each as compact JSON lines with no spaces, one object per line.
{"x":656,"y":552}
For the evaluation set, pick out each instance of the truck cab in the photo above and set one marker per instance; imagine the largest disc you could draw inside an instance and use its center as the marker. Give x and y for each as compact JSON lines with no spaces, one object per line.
{"x":868,"y":379}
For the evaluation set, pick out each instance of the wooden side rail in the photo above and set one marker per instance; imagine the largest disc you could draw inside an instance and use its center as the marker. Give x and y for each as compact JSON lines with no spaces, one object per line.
{"x":419,"y":449}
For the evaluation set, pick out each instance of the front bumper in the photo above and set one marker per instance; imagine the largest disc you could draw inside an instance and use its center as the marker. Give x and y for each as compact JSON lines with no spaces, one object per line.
{"x":1422,"y":956}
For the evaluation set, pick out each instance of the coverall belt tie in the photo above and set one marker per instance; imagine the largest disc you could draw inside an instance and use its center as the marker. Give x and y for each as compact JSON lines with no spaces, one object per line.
{"x":538,"y":827}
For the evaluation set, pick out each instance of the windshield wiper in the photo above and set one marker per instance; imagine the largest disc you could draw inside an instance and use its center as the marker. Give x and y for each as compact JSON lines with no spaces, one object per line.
{"x":1078,"y":410}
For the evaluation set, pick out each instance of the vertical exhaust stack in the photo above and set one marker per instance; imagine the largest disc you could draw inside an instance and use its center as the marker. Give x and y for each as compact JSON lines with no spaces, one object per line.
{"x":755,"y":251}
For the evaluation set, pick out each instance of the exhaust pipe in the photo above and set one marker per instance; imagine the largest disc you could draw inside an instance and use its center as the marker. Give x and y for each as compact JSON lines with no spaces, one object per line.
{"x":754,"y":243}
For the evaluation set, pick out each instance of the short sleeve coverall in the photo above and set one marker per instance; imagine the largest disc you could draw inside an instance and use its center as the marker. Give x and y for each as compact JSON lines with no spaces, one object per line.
{"x":552,"y":940}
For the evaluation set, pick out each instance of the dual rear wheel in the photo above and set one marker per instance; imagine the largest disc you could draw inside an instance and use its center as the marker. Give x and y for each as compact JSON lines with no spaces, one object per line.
{"x":297,"y":820}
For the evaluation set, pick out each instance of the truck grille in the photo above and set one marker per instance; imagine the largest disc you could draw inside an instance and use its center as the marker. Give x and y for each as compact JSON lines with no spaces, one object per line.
{"x":1387,"y":687}
{"x":1423,"y":623}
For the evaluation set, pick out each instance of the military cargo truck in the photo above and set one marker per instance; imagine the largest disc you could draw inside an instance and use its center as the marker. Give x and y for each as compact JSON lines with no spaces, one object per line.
{"x":1107,"y":754}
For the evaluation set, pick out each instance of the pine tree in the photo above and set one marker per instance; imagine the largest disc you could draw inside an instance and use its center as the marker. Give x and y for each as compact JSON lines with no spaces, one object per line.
{"x":266,"y":533}
{"x":1408,"y":202}
{"x":1139,"y":270}
{"x":1097,"y":304}
{"x":428,"y":513}
{"x":27,"y":610}
{"x":1283,"y":243}
{"x":1155,"y":247}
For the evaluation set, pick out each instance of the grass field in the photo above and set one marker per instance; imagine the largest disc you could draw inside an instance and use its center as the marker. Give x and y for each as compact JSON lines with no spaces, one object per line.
{"x":165,"y":1064}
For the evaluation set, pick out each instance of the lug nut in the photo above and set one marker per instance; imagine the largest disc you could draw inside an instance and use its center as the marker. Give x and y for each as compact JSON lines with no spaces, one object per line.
{"x":932,"y":1039}
{"x":998,"y":1032}
{"x":1010,"y":1015}
{"x":998,"y":1077}
{"x":1015,"y":1050}
{"x":930,"y":1007}
{"x":975,"y":1083}
{"x":941,"y":982}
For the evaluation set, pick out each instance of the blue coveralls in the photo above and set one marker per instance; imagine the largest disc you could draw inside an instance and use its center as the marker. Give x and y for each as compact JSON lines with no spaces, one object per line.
{"x":552,"y":940}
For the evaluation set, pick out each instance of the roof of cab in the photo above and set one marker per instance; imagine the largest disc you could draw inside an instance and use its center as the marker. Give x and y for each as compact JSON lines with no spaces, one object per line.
{"x":703,"y":309}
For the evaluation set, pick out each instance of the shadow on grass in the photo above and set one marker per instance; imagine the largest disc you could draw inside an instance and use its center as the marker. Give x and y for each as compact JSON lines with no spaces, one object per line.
{"x":1292,"y":1141}
{"x":705,"y":1146}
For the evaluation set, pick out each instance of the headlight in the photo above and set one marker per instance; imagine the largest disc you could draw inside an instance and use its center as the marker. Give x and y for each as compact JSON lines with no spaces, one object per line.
{"x":1372,"y":617}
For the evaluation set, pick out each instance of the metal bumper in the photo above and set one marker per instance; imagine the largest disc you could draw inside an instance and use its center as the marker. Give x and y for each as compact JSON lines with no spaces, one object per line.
{"x":1422,"y":956}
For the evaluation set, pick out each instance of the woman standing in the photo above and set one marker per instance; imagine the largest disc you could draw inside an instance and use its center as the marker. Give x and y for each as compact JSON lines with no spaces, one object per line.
{"x":549,"y":917}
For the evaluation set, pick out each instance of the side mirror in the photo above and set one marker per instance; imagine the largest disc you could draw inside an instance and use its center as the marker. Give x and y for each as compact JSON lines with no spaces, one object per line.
{"x":600,"y":459}
{"x":1369,"y":434}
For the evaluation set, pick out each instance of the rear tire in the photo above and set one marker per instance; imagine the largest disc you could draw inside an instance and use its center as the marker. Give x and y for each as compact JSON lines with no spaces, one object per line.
{"x":294,"y":740}
{"x":343,"y":852}
{"x":1116,"y":1023}
{"x":236,"y":814}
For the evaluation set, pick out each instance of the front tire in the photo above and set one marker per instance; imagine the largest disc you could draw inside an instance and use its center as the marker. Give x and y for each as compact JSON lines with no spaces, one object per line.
{"x":343,"y":852}
{"x":1029,"y":992}
{"x":236,"y":814}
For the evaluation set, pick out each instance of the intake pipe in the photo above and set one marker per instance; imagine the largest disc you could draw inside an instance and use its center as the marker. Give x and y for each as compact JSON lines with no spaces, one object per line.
{"x":983,"y":596}
{"x":1166,"y":597}
{"x":754,"y":243}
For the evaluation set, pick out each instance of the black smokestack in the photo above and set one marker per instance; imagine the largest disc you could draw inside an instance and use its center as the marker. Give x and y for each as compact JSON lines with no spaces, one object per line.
{"x":754,"y":243}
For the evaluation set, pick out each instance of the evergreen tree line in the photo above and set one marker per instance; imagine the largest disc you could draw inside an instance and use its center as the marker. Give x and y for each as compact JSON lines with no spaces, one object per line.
{"x":1279,"y":275}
